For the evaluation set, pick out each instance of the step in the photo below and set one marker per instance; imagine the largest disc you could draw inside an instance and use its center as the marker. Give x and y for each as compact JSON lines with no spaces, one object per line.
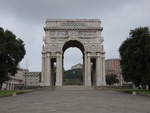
{"x":75,"y":87}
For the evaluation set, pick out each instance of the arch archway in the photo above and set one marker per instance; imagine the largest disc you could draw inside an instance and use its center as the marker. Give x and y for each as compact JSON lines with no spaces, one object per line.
{"x":80,"y":78}
{"x":73,"y":43}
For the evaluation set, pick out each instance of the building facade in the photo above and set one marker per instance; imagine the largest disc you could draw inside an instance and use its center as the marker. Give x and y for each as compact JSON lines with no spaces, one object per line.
{"x":15,"y":81}
{"x":32,"y":78}
{"x":112,"y":66}
{"x":23,"y":78}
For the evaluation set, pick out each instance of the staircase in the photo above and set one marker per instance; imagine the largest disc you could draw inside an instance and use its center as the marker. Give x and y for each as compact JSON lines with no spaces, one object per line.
{"x":75,"y":87}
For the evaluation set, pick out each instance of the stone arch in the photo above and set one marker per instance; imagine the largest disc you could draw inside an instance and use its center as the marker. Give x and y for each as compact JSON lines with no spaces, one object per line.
{"x":73,"y":43}
{"x":84,"y":34}
{"x":78,"y":44}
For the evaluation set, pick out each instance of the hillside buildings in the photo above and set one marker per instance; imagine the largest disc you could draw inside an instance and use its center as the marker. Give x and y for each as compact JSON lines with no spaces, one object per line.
{"x":77,"y":66}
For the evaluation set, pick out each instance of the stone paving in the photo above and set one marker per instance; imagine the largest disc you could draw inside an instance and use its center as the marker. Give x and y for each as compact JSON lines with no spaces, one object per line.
{"x":75,"y":100}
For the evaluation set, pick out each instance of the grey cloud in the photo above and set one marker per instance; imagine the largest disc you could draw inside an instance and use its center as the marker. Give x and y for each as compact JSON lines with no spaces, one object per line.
{"x":26,"y":19}
{"x":72,"y":56}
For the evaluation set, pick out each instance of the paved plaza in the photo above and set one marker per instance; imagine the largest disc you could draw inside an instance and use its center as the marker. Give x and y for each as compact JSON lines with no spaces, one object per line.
{"x":75,"y":100}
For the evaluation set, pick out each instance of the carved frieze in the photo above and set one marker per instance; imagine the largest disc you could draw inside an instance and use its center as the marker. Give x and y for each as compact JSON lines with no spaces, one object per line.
{"x":73,"y":24}
{"x":72,"y":33}
{"x":87,"y":34}
{"x":72,"y":30}
{"x":53,"y":47}
{"x":93,"y":48}
{"x":58,"y":34}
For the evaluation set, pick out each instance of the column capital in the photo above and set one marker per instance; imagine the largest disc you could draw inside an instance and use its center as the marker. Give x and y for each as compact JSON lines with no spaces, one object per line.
{"x":103,"y":57}
{"x":98,"y":54}
{"x":57,"y":54}
{"x":48,"y":54}
{"x":88,"y":54}
{"x":43,"y":52}
{"x":43,"y":56}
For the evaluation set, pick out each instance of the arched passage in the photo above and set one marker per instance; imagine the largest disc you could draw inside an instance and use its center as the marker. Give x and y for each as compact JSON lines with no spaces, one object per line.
{"x":78,"y":80}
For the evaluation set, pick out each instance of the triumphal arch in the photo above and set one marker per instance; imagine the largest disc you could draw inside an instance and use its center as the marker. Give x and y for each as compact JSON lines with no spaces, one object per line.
{"x":84,"y":34}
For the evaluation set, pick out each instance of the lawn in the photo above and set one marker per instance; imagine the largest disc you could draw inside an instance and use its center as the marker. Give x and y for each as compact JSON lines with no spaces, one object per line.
{"x":10,"y":92}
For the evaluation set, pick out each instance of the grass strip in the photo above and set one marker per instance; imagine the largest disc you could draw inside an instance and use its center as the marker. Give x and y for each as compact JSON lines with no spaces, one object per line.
{"x":10,"y":92}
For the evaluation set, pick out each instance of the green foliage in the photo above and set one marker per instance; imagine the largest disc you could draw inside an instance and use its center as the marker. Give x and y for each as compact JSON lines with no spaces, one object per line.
{"x":135,"y":56}
{"x":73,"y":73}
{"x":12,"y":52}
{"x":73,"y":77}
{"x":10,"y":92}
{"x":72,"y":81}
{"x":111,"y":79}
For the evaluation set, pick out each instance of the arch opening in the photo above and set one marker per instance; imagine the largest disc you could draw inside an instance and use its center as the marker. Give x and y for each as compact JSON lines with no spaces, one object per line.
{"x":73,"y":43}
{"x":73,"y":63}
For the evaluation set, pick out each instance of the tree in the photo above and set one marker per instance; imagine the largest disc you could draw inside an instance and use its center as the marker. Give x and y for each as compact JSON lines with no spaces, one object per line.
{"x":111,"y":79}
{"x":135,"y":56}
{"x":12,"y":51}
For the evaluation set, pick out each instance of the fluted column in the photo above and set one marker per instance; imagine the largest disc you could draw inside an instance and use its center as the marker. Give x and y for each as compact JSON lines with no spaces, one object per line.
{"x":59,"y":70}
{"x":103,"y":71}
{"x":43,"y":70}
{"x":48,"y":70}
{"x":7,"y":87}
{"x":87,"y":70}
{"x":98,"y":70}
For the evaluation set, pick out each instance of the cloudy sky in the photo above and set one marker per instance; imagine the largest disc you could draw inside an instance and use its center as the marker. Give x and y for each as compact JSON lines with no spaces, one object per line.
{"x":26,"y":19}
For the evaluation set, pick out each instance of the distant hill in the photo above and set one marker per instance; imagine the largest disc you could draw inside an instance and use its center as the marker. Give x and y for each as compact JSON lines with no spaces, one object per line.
{"x":73,"y":77}
{"x":73,"y":73}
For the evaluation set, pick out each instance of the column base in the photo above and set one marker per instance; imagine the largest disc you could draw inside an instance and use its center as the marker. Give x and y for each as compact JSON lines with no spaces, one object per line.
{"x":47,"y":84}
{"x":100,"y":83}
{"x":58,"y":85}
{"x":87,"y":84}
{"x":104,"y":83}
{"x":42,"y":84}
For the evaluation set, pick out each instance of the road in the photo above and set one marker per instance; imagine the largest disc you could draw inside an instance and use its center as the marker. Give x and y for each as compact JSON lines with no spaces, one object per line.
{"x":75,"y":100}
